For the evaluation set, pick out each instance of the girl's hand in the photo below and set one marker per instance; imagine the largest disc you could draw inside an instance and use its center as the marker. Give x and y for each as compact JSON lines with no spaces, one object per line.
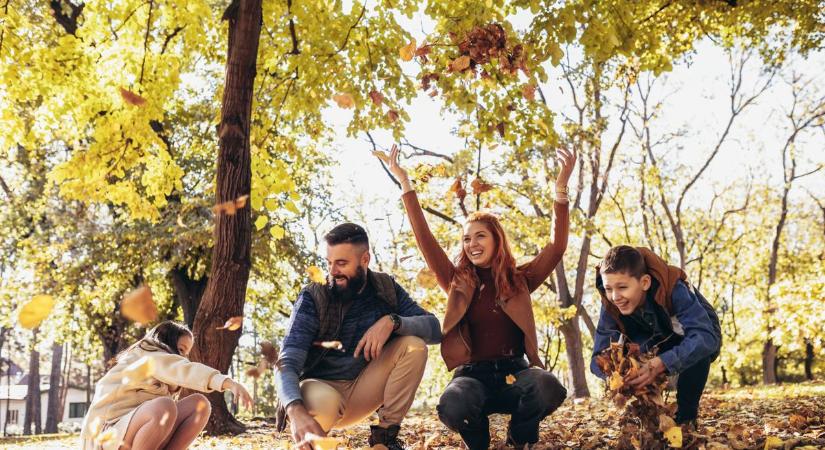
{"x":567,"y":160}
{"x":239,"y":391}
{"x":398,"y":172}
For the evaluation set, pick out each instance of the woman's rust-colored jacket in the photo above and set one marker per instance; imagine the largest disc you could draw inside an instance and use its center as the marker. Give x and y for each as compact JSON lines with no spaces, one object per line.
{"x":455,"y":343}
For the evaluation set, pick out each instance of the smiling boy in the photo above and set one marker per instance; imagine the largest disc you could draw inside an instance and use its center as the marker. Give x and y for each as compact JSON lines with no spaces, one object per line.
{"x":653,"y":305}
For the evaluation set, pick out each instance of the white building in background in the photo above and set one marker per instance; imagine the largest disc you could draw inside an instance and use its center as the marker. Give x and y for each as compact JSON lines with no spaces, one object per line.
{"x":14,"y":394}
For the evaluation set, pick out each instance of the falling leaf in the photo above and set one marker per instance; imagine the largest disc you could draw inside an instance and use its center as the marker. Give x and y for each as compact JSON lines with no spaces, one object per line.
{"x":230,"y":207}
{"x":510,"y":379}
{"x":322,"y":443}
{"x":423,"y":51}
{"x":381,"y":155}
{"x":139,"y":370}
{"x":344,"y":100}
{"x":392,"y":115}
{"x":408,"y":51}
{"x":332,"y":345}
{"x":232,"y":324}
{"x":480,"y":186}
{"x":258,"y":370}
{"x":316,"y":275}
{"x":269,"y":352}
{"x":108,"y":439}
{"x":376,"y":97}
{"x":426,"y":279}
{"x":132,"y":98}
{"x":139,"y":306}
{"x":37,"y":309}
{"x":461,"y":63}
{"x":529,"y":91}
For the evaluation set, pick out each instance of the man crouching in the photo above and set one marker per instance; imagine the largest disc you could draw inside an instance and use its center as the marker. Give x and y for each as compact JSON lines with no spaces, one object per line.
{"x":354,"y":345}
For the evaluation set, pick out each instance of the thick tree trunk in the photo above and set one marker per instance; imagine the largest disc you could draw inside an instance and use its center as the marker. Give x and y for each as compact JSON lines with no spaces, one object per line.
{"x":226,"y":289}
{"x":33,"y":391}
{"x":188,"y":292}
{"x":809,"y":360}
{"x":53,"y":409}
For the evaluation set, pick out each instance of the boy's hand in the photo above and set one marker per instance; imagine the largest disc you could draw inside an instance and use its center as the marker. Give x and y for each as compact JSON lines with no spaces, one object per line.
{"x":647,"y":373}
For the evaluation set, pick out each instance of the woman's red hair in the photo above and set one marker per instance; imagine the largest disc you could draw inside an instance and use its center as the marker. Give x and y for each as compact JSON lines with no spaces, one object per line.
{"x":502,"y":264}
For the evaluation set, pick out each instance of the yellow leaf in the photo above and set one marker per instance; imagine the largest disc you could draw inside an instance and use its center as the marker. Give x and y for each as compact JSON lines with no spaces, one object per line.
{"x":408,"y":51}
{"x":510,"y":379}
{"x":138,"y":306}
{"x":260,"y":222}
{"x":277,"y":232}
{"x":674,"y":436}
{"x":316,"y":274}
{"x":232,"y":324}
{"x":37,"y":309}
{"x":382,"y":156}
{"x":773,"y":442}
{"x":426,"y":278}
{"x":616,"y":381}
{"x":344,"y":100}
{"x":139,"y":370}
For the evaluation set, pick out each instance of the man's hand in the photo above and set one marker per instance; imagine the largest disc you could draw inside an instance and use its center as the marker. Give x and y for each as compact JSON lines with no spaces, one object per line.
{"x":375,"y":338}
{"x":647,"y":373}
{"x":301,"y":423}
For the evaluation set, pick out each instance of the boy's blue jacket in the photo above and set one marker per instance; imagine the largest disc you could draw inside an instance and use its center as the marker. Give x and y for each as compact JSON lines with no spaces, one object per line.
{"x":674,"y":317}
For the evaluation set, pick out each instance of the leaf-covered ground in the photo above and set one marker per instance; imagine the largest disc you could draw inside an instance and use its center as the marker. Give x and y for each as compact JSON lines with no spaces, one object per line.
{"x":782,"y":417}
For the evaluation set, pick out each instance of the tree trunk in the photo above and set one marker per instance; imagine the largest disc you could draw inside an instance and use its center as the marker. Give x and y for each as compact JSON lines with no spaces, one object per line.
{"x":33,"y":391}
{"x":226,"y":289}
{"x":809,"y":360}
{"x":572,"y":338}
{"x":64,"y":388}
{"x":188,"y":292}
{"x":769,"y":362}
{"x":573,"y":345}
{"x":52,"y":410}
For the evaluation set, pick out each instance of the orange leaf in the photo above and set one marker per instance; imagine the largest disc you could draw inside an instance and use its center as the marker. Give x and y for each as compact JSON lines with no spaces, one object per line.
{"x":426,"y":278}
{"x":138,"y":306}
{"x":230,"y":207}
{"x":408,"y":51}
{"x":232,"y":324}
{"x":461,"y":63}
{"x":344,"y":100}
{"x":529,"y":91}
{"x":316,"y":274}
{"x":510,"y":379}
{"x":392,"y":115}
{"x":480,"y":186}
{"x":132,"y":98}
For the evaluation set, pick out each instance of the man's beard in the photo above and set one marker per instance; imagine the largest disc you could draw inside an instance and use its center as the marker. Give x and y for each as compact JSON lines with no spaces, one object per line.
{"x":354,"y":285}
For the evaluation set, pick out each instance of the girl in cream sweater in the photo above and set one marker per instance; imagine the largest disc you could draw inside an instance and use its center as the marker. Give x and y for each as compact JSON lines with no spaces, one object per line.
{"x":135,"y":404}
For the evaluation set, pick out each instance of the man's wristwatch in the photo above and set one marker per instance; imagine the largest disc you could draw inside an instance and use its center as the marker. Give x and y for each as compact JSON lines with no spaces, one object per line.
{"x":396,"y":321}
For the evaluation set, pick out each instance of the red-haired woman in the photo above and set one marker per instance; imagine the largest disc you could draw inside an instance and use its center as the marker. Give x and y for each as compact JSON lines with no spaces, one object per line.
{"x":488,"y":327}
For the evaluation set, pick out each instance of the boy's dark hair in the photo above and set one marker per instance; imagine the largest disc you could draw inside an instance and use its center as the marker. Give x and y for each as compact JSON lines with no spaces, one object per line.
{"x":624,"y":259}
{"x":348,"y":233}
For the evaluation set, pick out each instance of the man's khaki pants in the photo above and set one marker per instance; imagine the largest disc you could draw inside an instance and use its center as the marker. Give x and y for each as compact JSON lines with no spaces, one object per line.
{"x":389,"y":380}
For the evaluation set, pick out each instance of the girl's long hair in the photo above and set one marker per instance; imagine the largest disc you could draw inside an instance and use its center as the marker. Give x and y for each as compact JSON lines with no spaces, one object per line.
{"x":162,"y":337}
{"x":502,"y":264}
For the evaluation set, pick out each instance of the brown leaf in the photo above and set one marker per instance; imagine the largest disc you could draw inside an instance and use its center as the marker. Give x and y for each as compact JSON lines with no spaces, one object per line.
{"x":529,"y":91}
{"x":500,"y":128}
{"x":132,"y":98}
{"x":426,"y":279}
{"x":392,"y":115}
{"x":138,"y":306}
{"x":376,"y":97}
{"x":269,"y":352}
{"x":230,"y":207}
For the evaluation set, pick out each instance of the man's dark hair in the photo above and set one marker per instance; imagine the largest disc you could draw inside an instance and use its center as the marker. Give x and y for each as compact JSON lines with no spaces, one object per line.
{"x":348,"y":233}
{"x":624,"y":259}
